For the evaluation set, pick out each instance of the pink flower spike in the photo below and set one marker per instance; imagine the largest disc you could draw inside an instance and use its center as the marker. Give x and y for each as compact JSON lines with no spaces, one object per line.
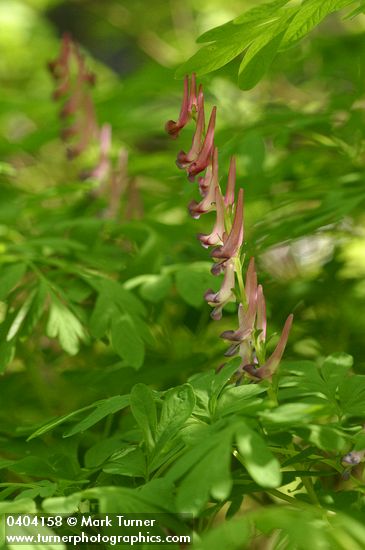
{"x":234,"y":240}
{"x":229,"y":197}
{"x":203,"y":158}
{"x":216,"y":236}
{"x":261,"y":314}
{"x":173,"y":128}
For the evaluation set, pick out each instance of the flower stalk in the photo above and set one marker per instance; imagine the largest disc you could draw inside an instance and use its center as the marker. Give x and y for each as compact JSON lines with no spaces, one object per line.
{"x":227,"y":239}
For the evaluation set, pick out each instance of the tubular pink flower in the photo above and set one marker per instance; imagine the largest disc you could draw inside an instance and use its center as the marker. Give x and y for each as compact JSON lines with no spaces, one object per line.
{"x":205,"y":154}
{"x":173,"y":128}
{"x":185,"y":159}
{"x":234,"y":240}
{"x":219,"y":299}
{"x":216,"y":236}
{"x":269,"y":368}
{"x":229,"y":196}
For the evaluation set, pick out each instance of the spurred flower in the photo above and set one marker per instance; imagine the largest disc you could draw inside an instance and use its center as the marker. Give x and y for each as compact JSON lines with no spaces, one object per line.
{"x":219,"y":299}
{"x":189,"y":103}
{"x":216,"y":235}
{"x":246,"y":317}
{"x":269,"y":368}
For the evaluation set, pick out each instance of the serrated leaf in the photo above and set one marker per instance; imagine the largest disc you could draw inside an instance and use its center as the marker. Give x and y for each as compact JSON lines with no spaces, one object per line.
{"x":65,"y":326}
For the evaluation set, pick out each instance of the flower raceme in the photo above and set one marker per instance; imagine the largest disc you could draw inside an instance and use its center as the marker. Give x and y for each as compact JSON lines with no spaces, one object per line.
{"x":82,"y":131}
{"x":248,"y":341}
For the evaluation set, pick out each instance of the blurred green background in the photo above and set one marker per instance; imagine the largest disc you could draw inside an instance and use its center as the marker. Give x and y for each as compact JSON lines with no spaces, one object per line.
{"x":299,"y":141}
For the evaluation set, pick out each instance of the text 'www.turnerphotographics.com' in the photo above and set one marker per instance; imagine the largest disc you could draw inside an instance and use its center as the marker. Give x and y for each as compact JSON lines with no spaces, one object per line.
{"x":112,"y":529}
